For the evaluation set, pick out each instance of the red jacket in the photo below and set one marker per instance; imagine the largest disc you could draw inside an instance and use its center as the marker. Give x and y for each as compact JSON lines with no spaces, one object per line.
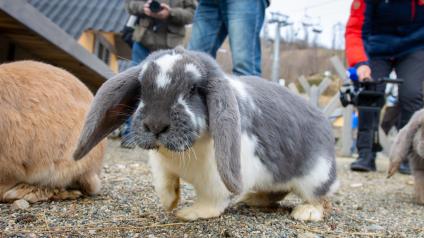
{"x":383,"y":29}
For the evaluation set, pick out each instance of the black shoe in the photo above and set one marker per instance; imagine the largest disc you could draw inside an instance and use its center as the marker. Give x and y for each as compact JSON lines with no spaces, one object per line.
{"x":404,"y":168}
{"x":364,"y":163}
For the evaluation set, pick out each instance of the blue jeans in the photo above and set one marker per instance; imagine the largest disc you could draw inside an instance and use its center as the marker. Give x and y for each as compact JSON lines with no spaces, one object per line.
{"x":241,"y":20}
{"x":138,"y":54}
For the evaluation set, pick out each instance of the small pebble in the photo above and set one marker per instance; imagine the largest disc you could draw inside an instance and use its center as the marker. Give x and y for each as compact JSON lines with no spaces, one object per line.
{"x":20,"y":204}
{"x":374,"y":227}
{"x":356,"y":185}
{"x":308,"y":235}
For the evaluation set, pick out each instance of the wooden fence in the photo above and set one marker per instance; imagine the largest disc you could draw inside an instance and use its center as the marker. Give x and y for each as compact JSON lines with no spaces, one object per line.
{"x":334,"y":107}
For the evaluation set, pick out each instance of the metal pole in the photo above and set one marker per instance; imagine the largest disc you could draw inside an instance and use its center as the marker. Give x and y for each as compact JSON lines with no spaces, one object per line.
{"x":276,"y":59}
{"x":281,"y":20}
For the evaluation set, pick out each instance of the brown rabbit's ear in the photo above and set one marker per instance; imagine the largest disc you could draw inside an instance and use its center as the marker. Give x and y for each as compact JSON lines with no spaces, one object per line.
{"x":403,"y":142}
{"x":224,"y":125}
{"x":114,"y":102}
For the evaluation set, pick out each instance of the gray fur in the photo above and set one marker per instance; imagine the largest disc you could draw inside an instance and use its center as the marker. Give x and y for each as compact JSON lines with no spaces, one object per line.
{"x":409,"y":145}
{"x":224,"y":124}
{"x":115,"y":100}
{"x":291,"y":133}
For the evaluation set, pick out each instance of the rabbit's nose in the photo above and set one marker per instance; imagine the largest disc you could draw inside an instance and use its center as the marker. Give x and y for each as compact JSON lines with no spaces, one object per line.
{"x":156,"y":127}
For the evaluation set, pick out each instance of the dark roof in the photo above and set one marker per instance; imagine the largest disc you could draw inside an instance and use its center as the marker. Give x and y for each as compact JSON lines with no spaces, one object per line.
{"x":76,"y":16}
{"x":26,"y":27}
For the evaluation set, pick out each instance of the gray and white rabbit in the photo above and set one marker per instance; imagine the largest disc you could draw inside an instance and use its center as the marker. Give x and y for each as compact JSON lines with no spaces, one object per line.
{"x":225,"y":135}
{"x":409,"y":145}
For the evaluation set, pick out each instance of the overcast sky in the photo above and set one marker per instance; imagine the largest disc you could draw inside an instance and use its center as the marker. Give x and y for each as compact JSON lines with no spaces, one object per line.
{"x":325,"y":12}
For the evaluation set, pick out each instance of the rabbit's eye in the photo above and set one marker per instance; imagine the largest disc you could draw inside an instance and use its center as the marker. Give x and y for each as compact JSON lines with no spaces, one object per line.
{"x":193,"y":90}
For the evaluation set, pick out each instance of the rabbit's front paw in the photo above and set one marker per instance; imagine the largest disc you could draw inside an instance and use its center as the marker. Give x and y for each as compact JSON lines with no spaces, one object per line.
{"x":196,"y":212}
{"x":169,"y":195}
{"x":308,"y":212}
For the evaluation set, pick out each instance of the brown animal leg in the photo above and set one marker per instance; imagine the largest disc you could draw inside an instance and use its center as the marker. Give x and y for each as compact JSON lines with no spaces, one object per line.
{"x":90,"y":184}
{"x":264,"y":199}
{"x":4,"y":188}
{"x":419,"y":185}
{"x":34,"y":194}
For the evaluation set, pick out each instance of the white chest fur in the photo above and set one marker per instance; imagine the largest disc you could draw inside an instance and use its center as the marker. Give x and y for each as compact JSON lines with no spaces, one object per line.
{"x":198,"y":167}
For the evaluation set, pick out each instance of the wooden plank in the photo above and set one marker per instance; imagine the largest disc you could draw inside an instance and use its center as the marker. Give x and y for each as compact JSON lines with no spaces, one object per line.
{"x":304,"y":83}
{"x":347,"y":140}
{"x":314,"y":95}
{"x":338,"y":65}
{"x":324,"y":85}
{"x":332,"y":105}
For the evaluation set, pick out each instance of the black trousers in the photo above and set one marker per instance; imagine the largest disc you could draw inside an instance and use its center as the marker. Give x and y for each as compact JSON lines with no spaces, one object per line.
{"x":410,"y":68}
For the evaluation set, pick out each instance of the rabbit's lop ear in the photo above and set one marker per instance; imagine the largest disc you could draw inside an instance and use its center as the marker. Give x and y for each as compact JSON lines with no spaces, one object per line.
{"x":114,"y":102}
{"x":224,"y":125}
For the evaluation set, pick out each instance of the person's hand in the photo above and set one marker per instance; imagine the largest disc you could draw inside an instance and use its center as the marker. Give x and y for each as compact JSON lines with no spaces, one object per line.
{"x":163,"y":14}
{"x":364,"y":72}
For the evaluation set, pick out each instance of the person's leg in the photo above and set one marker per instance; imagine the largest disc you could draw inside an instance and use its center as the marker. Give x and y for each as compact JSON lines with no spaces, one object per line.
{"x":244,"y":21}
{"x":368,"y":123}
{"x":410,"y":68}
{"x":208,"y":31}
{"x":139,"y":53}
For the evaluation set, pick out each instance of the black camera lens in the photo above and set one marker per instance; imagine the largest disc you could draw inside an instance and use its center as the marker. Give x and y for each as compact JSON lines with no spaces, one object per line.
{"x":155,"y":6}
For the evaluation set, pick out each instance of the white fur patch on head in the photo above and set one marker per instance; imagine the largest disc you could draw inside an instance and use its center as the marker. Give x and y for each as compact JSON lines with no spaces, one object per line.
{"x":162,"y":80}
{"x":187,"y":109}
{"x":165,"y":63}
{"x":191,"y":68}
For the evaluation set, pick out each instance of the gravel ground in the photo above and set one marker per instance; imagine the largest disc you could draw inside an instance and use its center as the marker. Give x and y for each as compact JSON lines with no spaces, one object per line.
{"x":366,"y":205}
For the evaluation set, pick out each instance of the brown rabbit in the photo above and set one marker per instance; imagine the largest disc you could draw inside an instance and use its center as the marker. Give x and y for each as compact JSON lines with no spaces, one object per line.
{"x":409,"y":144}
{"x":42,"y":111}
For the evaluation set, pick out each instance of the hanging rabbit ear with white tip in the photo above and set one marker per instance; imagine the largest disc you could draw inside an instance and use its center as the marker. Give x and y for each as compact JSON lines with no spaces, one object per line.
{"x":113,"y":103}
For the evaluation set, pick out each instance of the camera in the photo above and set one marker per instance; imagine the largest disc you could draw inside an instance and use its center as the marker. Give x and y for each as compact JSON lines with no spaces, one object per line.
{"x":364,"y":94}
{"x":155,"y":6}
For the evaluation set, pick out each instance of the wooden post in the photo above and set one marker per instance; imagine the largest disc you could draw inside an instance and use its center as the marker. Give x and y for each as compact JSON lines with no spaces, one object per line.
{"x":305,"y":84}
{"x":347,"y":139}
{"x":332,"y":105}
{"x":324,"y":85}
{"x":314,"y":95}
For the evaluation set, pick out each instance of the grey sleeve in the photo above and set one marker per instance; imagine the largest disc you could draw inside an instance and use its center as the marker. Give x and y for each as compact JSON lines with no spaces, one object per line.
{"x":135,"y":7}
{"x":183,"y":15}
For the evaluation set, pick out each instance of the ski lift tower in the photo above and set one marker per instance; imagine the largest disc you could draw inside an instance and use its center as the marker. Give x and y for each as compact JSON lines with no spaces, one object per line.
{"x":281,"y":20}
{"x":306,"y":23}
{"x":317,"y":30}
